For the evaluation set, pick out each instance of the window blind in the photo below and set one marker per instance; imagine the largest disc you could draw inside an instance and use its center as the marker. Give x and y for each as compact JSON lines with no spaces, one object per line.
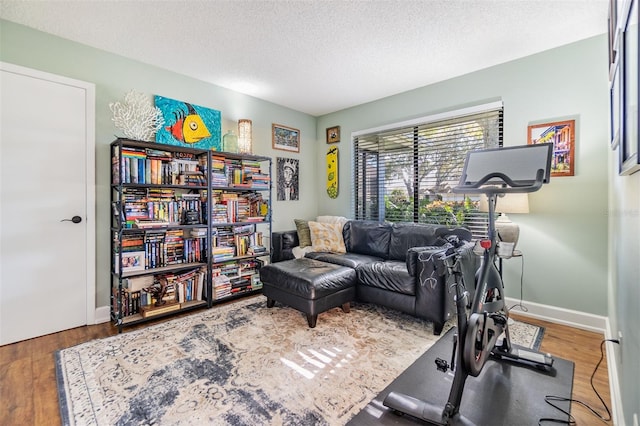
{"x":406,"y":174}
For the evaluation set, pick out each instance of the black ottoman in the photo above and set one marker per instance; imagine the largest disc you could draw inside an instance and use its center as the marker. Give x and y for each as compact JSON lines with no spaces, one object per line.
{"x":309,"y":286}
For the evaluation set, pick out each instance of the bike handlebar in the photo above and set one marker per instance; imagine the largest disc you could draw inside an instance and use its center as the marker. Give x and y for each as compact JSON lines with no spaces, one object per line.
{"x":511,"y":185}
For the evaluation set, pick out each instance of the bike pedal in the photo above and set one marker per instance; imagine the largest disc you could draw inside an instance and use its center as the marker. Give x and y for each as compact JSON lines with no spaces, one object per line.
{"x":442,"y":365}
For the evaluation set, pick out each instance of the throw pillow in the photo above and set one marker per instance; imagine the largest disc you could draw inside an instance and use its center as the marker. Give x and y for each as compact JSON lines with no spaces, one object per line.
{"x":304,"y":234}
{"x":332,"y":219}
{"x":327,"y":237}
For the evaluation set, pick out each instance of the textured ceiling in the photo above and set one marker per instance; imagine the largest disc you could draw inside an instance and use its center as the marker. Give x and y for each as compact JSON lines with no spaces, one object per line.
{"x":317,"y":56}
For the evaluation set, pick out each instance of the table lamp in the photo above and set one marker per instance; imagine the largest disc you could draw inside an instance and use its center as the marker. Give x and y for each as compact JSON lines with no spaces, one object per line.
{"x":508,"y":232}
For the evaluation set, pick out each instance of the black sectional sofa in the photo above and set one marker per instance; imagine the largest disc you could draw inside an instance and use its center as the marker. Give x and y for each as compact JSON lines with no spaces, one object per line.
{"x":396,"y":265}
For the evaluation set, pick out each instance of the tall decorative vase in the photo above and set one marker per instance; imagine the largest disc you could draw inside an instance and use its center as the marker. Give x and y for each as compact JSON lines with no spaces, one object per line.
{"x":230,"y":142}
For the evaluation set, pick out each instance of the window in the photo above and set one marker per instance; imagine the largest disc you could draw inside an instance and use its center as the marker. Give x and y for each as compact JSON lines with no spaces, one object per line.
{"x":405,"y":172}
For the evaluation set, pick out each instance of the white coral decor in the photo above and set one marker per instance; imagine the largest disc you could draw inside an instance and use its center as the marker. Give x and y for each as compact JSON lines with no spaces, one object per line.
{"x":137,"y":117}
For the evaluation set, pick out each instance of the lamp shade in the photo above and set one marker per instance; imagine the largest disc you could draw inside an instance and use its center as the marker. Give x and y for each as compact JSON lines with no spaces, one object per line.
{"x":509,"y":203}
{"x":245,"y":136}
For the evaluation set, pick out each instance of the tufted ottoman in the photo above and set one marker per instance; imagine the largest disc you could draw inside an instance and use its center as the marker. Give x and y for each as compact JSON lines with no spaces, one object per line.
{"x":309,"y":286}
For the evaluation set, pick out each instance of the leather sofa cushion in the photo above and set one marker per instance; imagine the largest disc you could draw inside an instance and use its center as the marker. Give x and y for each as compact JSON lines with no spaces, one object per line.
{"x":352,"y":260}
{"x":289,"y":240}
{"x":388,"y":275}
{"x":367,"y":237}
{"x":407,"y":235}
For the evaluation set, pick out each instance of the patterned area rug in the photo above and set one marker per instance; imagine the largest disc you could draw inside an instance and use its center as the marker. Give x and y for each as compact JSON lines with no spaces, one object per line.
{"x":245,"y":364}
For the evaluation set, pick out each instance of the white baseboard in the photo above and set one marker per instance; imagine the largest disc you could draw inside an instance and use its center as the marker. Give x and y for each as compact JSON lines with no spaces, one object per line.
{"x":577,"y":319}
{"x":617,"y":414}
{"x":103,"y":314}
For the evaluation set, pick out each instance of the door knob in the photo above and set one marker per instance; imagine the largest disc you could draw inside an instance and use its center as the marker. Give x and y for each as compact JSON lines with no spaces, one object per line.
{"x":75,"y":219}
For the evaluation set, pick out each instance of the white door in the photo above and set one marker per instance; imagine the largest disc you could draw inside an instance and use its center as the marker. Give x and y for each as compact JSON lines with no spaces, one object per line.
{"x":47,"y":262}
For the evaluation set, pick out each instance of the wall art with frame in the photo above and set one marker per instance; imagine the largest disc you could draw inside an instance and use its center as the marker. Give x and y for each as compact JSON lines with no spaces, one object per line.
{"x":333,"y":134}
{"x":615,"y":106}
{"x":285,"y":138}
{"x":563,"y":136}
{"x":288,"y":178}
{"x":629,"y":61}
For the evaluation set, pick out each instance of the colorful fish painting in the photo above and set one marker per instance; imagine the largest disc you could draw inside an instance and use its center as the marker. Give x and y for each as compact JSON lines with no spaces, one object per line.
{"x":188,"y":128}
{"x":189,"y":125}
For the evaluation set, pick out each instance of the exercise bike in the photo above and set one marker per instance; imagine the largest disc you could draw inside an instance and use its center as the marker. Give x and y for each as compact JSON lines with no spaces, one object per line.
{"x":492,"y":172}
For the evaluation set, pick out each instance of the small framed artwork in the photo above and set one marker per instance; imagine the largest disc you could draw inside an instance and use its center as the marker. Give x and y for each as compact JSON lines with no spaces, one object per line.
{"x":285,"y":138}
{"x":615,"y":104}
{"x":630,"y":39}
{"x":563,"y":136}
{"x":333,"y":134}
{"x":133,"y":261}
{"x":613,"y":31}
{"x":288,"y":175}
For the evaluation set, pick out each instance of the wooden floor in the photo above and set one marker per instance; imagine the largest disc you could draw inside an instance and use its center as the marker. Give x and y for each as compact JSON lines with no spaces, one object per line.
{"x":29,"y":396}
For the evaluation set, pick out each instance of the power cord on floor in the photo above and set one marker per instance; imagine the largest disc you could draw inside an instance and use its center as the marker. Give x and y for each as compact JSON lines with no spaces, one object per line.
{"x":572,"y":420}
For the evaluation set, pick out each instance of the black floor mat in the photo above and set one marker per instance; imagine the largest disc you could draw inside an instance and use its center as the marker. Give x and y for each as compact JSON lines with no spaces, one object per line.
{"x":504,"y":393}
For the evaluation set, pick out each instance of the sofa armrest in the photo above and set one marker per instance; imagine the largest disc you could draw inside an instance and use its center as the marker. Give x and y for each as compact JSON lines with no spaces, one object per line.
{"x":282,"y":242}
{"x":434,"y":298}
{"x":416,"y":255}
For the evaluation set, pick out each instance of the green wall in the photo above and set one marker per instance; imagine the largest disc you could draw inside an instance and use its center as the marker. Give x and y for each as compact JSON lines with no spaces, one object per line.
{"x":564,"y":237}
{"x":114,"y":76}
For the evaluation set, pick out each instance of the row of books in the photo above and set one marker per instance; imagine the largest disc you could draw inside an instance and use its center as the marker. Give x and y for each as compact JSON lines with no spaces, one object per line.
{"x":236,"y":173}
{"x":224,"y":286}
{"x":157,"y":249}
{"x":147,"y":207}
{"x":231,"y":207}
{"x":238,"y":268}
{"x":151,"y":166}
{"x":231,"y":241}
{"x":181,"y":289}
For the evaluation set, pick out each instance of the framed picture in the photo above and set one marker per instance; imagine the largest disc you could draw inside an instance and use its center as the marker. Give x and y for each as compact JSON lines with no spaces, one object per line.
{"x":288,"y":175}
{"x":615,"y":105}
{"x":285,"y":138}
{"x":629,"y":40}
{"x":563,"y":136}
{"x":189,"y":125}
{"x":613,"y":31}
{"x":132,"y":261}
{"x":333,"y":134}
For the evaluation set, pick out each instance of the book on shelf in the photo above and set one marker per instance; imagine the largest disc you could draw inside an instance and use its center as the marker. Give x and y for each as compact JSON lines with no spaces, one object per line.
{"x":255,"y":282}
{"x":149,"y":223}
{"x":151,"y":310}
{"x":221,"y":286}
{"x":130,"y":302}
{"x":138,"y":283}
{"x":257,"y":250}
